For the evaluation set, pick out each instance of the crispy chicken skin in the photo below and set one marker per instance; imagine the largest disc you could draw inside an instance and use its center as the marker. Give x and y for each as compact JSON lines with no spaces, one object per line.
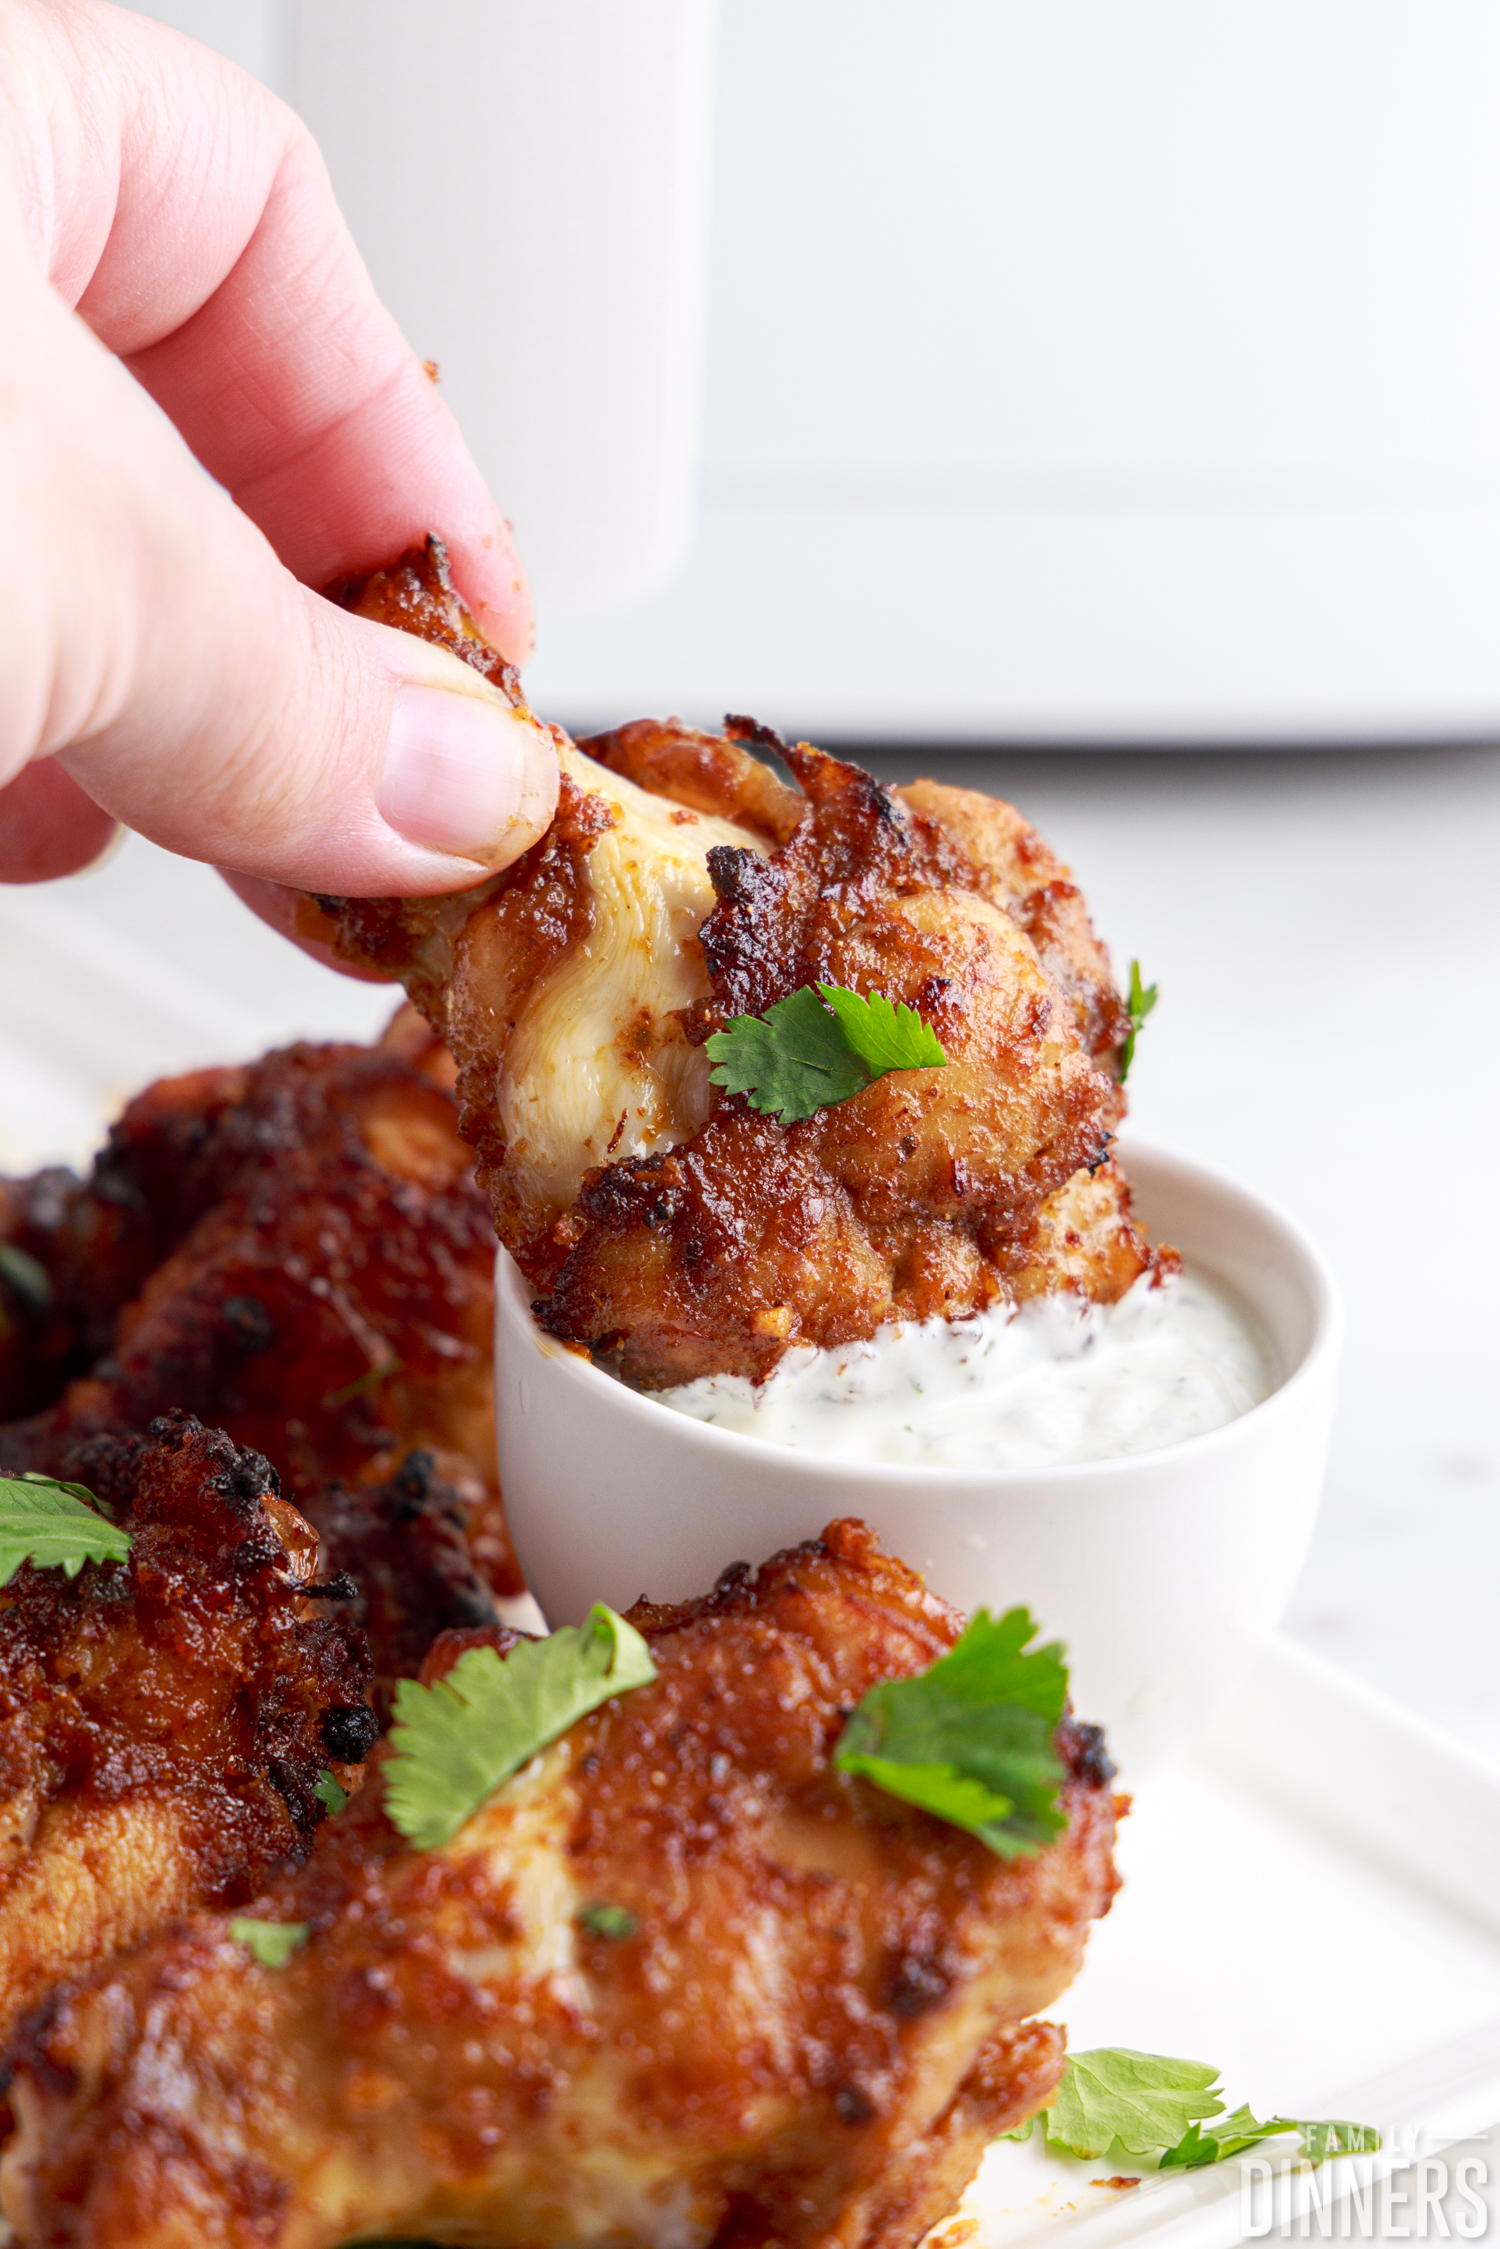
{"x":682,"y":884}
{"x":164,"y":1720}
{"x":922,"y":1196}
{"x":402,"y":1545}
{"x":297,"y":1252}
{"x":179,"y":1148}
{"x":815,"y":2026}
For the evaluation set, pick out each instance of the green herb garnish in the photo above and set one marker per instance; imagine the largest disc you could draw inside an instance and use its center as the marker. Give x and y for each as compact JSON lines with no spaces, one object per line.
{"x":54,"y":1526}
{"x":1141,"y":1000}
{"x":330,"y":1795}
{"x":271,"y":1942}
{"x":1321,"y":2138}
{"x":1230,"y":2135}
{"x":457,"y":1741}
{"x":26,"y":1276}
{"x":970,"y":1740}
{"x":362,"y":1384}
{"x":1332,"y":2136}
{"x":1145,"y":2102}
{"x":614,"y":1921}
{"x":1155,"y":2105}
{"x":817,"y":1048}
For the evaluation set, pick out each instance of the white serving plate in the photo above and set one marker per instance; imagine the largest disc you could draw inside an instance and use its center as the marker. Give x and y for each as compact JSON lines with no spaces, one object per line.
{"x":1312,"y":1901}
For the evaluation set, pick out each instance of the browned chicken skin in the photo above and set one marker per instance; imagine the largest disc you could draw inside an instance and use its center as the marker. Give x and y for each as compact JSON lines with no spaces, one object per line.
{"x":403,"y":1546}
{"x":810,"y":2006}
{"x":699,"y":1236}
{"x":919,"y":1197}
{"x":164,"y":1720}
{"x":807,"y":2031}
{"x":296,"y":1251}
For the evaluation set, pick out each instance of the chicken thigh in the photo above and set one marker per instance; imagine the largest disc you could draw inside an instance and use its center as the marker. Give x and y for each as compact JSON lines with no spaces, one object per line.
{"x":680,"y":1983}
{"x":683,"y":885}
{"x":293,"y":1249}
{"x":165,"y":1720}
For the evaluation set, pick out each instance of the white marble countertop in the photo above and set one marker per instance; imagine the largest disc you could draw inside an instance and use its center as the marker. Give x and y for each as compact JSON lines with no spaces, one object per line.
{"x":1325,"y":929}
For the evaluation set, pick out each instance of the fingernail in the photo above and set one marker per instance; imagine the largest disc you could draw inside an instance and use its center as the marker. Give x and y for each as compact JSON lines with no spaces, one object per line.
{"x":464,"y":774}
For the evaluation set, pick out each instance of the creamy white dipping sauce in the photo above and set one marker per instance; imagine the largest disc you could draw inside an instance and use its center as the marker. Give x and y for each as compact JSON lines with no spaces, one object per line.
{"x":1056,"y":1381}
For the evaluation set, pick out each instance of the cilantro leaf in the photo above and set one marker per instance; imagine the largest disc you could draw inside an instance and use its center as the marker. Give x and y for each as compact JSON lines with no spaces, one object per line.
{"x":330,"y":1795}
{"x":1230,"y":2135}
{"x":1142,"y":998}
{"x":54,"y":1526}
{"x":1145,"y":2101}
{"x":1194,"y":2149}
{"x":271,"y":1942}
{"x":384,"y":1371}
{"x":793,"y":1060}
{"x":26,"y":1276}
{"x":603,"y":1920}
{"x":884,"y":1037}
{"x":459,"y":1740}
{"x":1336,"y":2136}
{"x":970,"y":1740}
{"x":817,"y":1048}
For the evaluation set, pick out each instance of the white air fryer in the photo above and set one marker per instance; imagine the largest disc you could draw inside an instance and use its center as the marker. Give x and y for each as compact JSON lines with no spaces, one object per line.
{"x":1077,"y":370}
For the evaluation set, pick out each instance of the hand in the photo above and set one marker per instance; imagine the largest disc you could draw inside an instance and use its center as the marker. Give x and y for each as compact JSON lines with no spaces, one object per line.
{"x":168,"y":234}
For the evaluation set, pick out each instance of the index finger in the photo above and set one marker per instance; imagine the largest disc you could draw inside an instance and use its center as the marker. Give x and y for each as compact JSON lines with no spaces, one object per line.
{"x":197,"y":232}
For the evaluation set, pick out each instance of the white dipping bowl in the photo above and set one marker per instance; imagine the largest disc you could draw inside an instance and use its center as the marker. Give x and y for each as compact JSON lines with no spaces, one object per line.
{"x":1160,"y":1571}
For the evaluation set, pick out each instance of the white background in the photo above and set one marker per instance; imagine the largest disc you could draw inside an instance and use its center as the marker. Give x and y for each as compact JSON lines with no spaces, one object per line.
{"x":1073,"y":369}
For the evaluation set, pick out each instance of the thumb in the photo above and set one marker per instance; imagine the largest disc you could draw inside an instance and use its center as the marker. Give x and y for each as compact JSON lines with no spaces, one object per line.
{"x":194,"y":690}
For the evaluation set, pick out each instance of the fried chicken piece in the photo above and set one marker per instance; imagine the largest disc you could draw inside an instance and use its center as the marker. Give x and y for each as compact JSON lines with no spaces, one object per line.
{"x":37,"y":1346}
{"x":164,"y":1720}
{"x":1007,"y":862}
{"x":181,"y":1146}
{"x":416,"y":594}
{"x":681,"y":885}
{"x":563,"y":987}
{"x":802,"y":2023}
{"x":403,"y":1546}
{"x":711,"y":773}
{"x":74,"y":1252}
{"x":924,"y":1195}
{"x":296,"y":1251}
